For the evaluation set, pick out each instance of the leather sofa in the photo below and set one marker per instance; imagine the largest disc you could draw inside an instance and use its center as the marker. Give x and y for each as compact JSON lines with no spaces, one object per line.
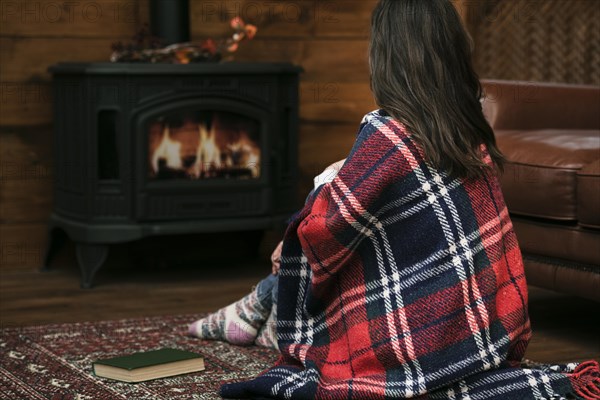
{"x":550,"y":135}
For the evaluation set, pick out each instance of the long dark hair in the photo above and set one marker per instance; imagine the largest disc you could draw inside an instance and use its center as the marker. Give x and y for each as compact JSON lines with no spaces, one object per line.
{"x":422,"y":75}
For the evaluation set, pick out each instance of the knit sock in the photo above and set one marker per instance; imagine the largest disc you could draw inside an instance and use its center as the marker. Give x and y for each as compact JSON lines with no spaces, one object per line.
{"x":237,"y":323}
{"x":267,"y":334}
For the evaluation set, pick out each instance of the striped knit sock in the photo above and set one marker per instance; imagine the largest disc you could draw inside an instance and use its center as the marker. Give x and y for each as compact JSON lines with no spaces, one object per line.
{"x":267,"y":334}
{"x":237,"y":323}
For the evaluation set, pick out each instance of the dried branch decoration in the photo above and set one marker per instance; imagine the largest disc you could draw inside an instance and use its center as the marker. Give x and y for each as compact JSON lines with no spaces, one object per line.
{"x":147,"y":48}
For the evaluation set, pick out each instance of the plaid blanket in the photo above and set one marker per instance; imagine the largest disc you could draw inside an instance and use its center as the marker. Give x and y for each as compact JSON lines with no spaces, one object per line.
{"x":398,"y":281}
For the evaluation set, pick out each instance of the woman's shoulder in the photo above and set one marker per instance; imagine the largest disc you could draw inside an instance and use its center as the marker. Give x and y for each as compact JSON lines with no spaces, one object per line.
{"x":380,"y":119}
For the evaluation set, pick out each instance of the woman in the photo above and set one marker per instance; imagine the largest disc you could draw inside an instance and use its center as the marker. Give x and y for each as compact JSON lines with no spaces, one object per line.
{"x":402,"y":276}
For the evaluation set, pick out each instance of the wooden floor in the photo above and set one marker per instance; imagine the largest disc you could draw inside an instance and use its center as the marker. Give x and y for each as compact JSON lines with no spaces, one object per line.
{"x":134,"y":286}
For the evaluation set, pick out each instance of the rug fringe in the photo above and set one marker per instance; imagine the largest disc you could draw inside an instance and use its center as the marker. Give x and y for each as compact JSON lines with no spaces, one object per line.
{"x":586,"y":380}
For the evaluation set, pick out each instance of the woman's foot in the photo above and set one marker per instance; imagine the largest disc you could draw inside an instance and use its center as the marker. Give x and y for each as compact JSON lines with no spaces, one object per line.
{"x":238,"y":323}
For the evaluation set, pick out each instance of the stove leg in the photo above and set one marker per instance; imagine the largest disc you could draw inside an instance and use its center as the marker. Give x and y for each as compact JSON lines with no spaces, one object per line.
{"x":90,"y":258}
{"x":56,"y":239}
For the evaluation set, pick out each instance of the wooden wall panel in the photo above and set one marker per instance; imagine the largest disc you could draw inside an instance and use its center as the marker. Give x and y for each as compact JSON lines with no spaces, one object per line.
{"x":322,"y":143}
{"x":334,"y":102}
{"x":35,"y":34}
{"x":25,"y":176}
{"x":285,"y":19}
{"x":58,"y":19}
{"x":29,"y":52}
{"x":25,"y":200}
{"x":317,"y":139}
{"x":25,"y":103}
{"x":22,"y":246}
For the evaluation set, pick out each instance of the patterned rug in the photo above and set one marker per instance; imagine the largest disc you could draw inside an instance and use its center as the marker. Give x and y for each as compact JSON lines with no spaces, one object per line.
{"x":55,"y":361}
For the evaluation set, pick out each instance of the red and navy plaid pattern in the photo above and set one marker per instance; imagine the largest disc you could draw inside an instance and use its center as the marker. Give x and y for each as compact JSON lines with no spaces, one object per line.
{"x":398,"y":281}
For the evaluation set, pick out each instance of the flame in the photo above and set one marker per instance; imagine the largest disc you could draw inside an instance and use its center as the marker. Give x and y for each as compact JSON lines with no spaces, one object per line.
{"x":169,"y":150}
{"x":208,"y":155}
{"x":196,"y":151}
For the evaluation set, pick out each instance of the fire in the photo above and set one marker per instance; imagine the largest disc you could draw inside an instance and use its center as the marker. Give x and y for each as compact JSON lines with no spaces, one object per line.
{"x":199,"y":150}
{"x":208,"y":155}
{"x":168,"y":153}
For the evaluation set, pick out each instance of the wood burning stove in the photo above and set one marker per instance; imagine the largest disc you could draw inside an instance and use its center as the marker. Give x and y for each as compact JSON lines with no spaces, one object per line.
{"x":152,"y":149}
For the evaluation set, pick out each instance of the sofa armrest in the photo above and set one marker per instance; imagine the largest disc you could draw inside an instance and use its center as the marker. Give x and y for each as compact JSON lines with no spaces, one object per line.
{"x":510,"y":105}
{"x":588,"y":194}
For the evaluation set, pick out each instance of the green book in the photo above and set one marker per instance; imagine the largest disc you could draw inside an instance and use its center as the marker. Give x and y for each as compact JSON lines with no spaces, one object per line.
{"x":149,"y":365}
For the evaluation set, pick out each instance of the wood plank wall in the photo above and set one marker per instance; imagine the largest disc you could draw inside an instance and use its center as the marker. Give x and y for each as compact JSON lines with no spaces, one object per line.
{"x":35,"y":34}
{"x":328,"y":38}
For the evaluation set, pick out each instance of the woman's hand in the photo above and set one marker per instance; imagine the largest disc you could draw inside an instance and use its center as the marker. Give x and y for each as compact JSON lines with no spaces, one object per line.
{"x":276,"y":259}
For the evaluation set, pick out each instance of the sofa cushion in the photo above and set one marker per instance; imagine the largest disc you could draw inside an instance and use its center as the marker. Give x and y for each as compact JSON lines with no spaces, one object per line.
{"x":540,"y":177}
{"x":562,"y":278}
{"x":588,"y":195}
{"x":564,"y":241}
